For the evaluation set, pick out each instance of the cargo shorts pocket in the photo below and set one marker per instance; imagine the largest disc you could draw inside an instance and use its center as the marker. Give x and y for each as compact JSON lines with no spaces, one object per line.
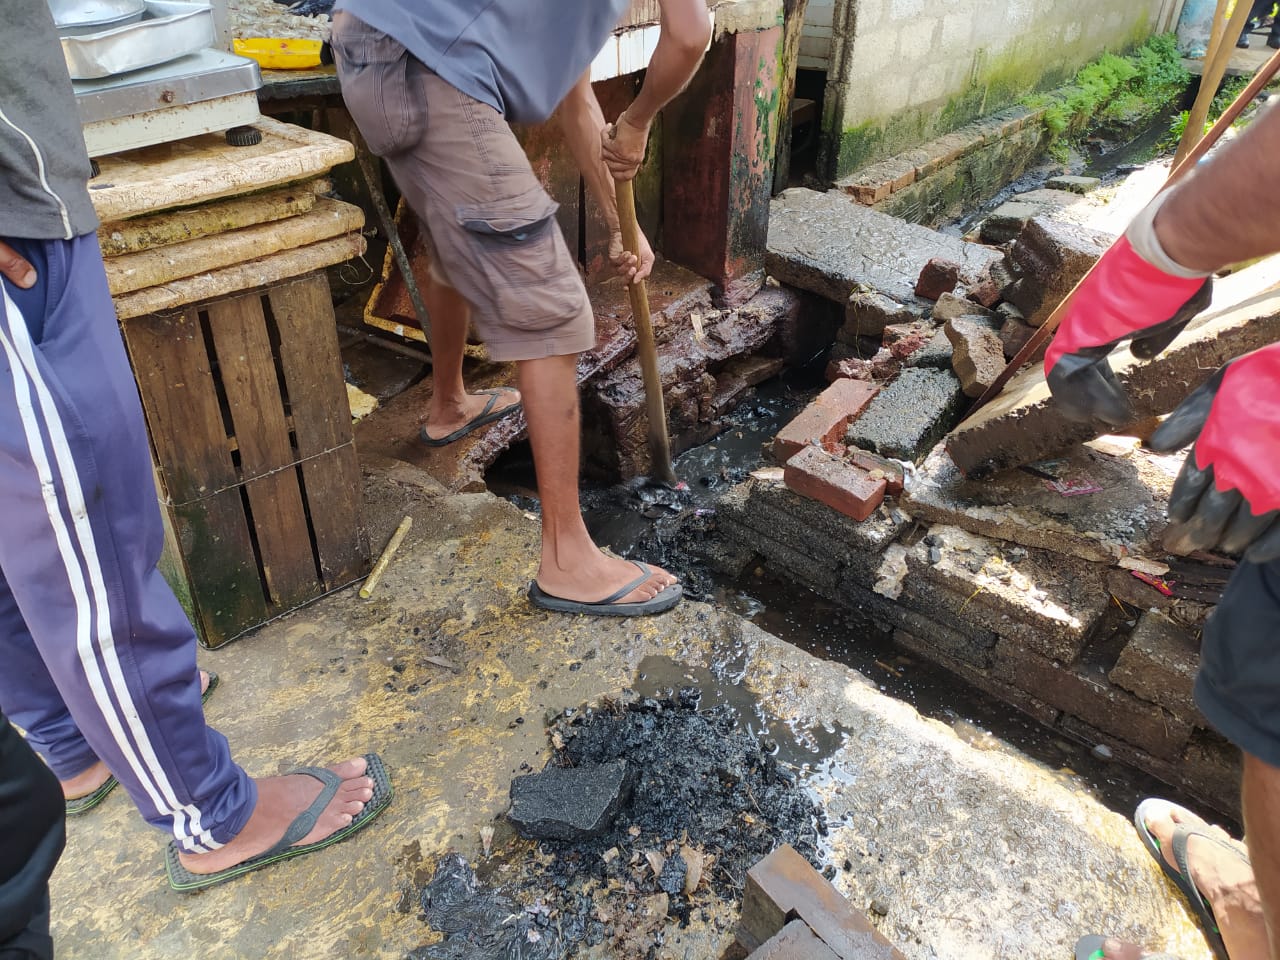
{"x":517,"y":247}
{"x":376,"y":73}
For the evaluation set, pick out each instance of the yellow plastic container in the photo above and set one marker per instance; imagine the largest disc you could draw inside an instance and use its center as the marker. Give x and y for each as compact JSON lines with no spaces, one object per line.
{"x":274,"y":54}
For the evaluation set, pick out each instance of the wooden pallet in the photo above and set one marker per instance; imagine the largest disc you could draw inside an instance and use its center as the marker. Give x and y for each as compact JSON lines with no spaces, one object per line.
{"x":257,"y":469}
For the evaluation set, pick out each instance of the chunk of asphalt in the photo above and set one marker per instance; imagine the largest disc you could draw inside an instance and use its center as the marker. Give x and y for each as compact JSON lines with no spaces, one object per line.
{"x":569,"y":803}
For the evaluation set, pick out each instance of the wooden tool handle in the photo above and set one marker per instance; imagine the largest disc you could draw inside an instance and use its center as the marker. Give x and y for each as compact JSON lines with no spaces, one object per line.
{"x":659,"y":445}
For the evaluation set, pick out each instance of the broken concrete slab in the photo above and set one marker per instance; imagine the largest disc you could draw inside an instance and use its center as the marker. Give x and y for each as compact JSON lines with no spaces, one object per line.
{"x":1023,"y":424}
{"x":950,"y":306}
{"x":1049,"y":603}
{"x":834,"y":482}
{"x":867,"y":313}
{"x":568,"y":803}
{"x":977,"y":354}
{"x":1006,"y":221}
{"x":1073,"y":184}
{"x":1090,"y":504}
{"x":829,"y":244}
{"x":910,"y":415}
{"x":1050,"y":257}
{"x":1159,"y":664}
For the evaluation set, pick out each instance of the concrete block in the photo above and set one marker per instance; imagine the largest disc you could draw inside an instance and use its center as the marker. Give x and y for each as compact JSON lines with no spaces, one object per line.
{"x":568,"y":803}
{"x":783,"y":885}
{"x":1159,"y":664}
{"x":835,"y":482}
{"x":1049,"y":603}
{"x":938,"y":276}
{"x":824,"y":421}
{"x":830,"y":245}
{"x":1073,"y":184}
{"x":1051,"y":257}
{"x":935,"y":355}
{"x":1014,"y":334}
{"x":977,"y":354}
{"x":1123,"y":514}
{"x":1006,"y":221}
{"x":950,"y":306}
{"x":1023,"y":425}
{"x":1084,"y":692}
{"x":910,"y":415}
{"x":867,"y":313}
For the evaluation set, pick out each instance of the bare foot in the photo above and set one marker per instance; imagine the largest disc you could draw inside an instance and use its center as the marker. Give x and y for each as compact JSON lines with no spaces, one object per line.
{"x":1224,"y":880}
{"x":589,"y":575}
{"x":280,"y":800}
{"x":450,"y":415}
{"x":1117,"y":950}
{"x":83,"y":784}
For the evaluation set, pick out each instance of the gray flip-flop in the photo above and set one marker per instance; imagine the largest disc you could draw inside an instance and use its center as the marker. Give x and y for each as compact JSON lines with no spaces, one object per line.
{"x":609,"y":606}
{"x":184,"y":881}
{"x":90,"y":800}
{"x":486,"y":416}
{"x":1090,"y":948}
{"x":1181,"y":877}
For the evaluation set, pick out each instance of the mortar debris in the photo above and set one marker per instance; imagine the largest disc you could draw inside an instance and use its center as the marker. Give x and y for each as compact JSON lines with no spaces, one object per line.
{"x":709,"y":802}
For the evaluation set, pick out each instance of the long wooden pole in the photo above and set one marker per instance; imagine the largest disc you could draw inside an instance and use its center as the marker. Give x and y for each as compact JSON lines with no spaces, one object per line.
{"x":1266,"y":73}
{"x":659,"y":445}
{"x":1216,"y":60}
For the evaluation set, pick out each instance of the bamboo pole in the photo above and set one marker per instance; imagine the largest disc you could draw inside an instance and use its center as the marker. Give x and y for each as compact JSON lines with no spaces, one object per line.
{"x":1216,"y":60}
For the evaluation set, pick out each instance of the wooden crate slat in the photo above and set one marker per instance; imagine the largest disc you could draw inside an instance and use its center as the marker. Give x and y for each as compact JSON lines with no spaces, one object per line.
{"x":225,"y":587}
{"x":312,"y":366}
{"x":252,"y":389}
{"x":175,"y":380}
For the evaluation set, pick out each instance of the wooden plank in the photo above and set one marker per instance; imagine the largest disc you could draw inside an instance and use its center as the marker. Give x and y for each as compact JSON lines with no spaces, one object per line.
{"x":795,"y":941}
{"x":783,"y":886}
{"x":242,"y":276}
{"x":212,"y":548}
{"x":153,"y":268}
{"x":252,"y":388}
{"x":145,"y":233}
{"x":312,"y":365}
{"x":199,"y":169}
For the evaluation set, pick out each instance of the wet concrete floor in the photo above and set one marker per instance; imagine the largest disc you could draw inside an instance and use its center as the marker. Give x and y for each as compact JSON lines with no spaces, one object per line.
{"x":968,"y":852}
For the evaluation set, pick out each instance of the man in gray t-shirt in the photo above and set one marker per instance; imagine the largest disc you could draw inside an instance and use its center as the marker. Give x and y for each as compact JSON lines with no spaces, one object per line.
{"x":431,"y":87}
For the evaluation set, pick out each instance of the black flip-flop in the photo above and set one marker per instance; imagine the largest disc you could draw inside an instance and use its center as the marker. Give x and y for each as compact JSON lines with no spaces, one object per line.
{"x":609,"y":606}
{"x":184,"y":881}
{"x":486,"y":416}
{"x":90,"y":800}
{"x":1181,"y":877}
{"x":1090,"y":948}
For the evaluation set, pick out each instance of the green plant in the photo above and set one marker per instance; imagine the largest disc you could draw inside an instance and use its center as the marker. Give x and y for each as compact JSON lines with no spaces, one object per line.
{"x":1230,"y":90}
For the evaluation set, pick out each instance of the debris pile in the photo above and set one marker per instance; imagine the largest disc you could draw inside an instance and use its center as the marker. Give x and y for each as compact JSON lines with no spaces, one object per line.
{"x":666,"y":806}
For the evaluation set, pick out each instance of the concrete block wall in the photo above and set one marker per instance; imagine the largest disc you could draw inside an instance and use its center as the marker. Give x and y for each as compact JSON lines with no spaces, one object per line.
{"x":815,"y":36}
{"x":906,"y":71}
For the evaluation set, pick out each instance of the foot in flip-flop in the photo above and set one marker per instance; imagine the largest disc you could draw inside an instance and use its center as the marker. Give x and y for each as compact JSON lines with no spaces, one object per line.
{"x":1212,"y":871}
{"x":291,"y":819}
{"x":1095,"y":947}
{"x":91,"y":787}
{"x":612,"y":605}
{"x":493,"y":410}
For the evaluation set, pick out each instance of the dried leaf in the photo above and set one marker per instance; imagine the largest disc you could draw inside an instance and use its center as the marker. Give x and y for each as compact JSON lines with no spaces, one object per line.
{"x":656,"y":861}
{"x":610,"y":855}
{"x":486,"y":839}
{"x":694,"y":861}
{"x":442,"y":662}
{"x":633,"y":831}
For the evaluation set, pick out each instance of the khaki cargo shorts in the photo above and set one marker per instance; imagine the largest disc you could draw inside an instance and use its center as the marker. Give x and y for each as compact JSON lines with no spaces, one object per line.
{"x":491,"y":226}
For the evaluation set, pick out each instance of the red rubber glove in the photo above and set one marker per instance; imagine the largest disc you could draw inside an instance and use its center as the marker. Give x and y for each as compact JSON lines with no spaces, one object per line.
{"x":1227,"y":496}
{"x":1124,"y":298}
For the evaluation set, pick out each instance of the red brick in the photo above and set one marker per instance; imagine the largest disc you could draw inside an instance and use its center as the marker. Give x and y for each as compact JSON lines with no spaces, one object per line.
{"x":824,"y":420}
{"x":986,"y":291}
{"x":938,"y":277}
{"x":832,"y":481}
{"x":871,"y":463}
{"x":869,"y":193}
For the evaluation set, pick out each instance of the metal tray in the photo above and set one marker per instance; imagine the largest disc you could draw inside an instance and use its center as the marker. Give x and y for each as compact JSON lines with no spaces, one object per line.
{"x":169,"y":29}
{"x":76,"y":17}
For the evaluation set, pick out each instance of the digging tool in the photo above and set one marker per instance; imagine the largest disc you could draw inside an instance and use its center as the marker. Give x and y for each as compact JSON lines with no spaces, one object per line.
{"x":659,"y":445}
{"x":1266,"y":73}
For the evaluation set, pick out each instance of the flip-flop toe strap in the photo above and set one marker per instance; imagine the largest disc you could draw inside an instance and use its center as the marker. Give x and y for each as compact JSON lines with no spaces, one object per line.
{"x":306,"y":821}
{"x":645,"y":574}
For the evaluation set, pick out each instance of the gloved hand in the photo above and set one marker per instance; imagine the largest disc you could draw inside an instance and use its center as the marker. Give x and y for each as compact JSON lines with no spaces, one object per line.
{"x":1227,"y":496}
{"x":1128,"y":296}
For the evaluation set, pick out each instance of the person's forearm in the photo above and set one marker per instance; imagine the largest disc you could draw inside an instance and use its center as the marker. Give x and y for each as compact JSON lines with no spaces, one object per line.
{"x":685,"y":33}
{"x":1228,"y":211}
{"x":581,"y":120}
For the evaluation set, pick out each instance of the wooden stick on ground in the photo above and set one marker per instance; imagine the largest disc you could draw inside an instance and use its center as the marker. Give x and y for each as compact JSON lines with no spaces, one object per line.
{"x":379,"y":568}
{"x":1266,"y":73}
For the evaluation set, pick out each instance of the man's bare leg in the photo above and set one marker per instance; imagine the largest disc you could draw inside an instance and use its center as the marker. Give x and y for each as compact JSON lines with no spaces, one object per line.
{"x":1261,"y":802}
{"x":451,"y":407}
{"x":280,"y":800}
{"x":1225,"y":881}
{"x":572,"y":567}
